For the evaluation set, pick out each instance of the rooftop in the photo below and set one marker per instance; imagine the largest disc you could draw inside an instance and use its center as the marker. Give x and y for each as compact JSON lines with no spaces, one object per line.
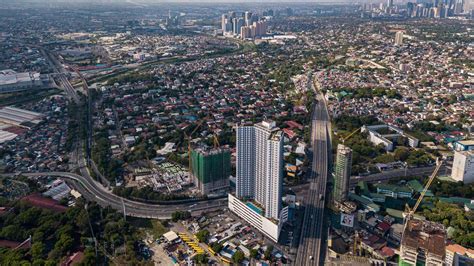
{"x":425,"y":235}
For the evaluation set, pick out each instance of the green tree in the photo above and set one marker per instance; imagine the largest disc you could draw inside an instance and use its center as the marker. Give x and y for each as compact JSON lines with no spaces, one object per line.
{"x":238,"y":257}
{"x":37,"y":250}
{"x":202,"y":235}
{"x":201,"y":259}
{"x":253,"y":253}
{"x":268,"y":252}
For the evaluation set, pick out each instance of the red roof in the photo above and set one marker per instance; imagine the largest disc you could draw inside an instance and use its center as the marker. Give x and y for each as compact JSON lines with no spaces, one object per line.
{"x":9,"y":244}
{"x":387,"y":251}
{"x":384,"y":226}
{"x":45,"y":203}
{"x":293,"y":124}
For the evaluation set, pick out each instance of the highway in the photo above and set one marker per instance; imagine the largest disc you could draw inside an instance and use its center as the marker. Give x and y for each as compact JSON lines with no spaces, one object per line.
{"x":310,"y":249}
{"x":93,"y":191}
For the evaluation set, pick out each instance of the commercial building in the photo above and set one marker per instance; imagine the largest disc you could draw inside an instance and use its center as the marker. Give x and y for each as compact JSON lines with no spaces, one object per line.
{"x":423,"y":243}
{"x":399,"y":38}
{"x":211,"y":169}
{"x":252,"y":214}
{"x":463,"y":166}
{"x":259,"y":177}
{"x":457,"y":255}
{"x":11,"y":81}
{"x":342,"y":173}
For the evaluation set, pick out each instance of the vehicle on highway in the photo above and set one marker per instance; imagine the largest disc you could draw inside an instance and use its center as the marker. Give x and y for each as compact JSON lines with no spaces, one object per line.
{"x":311,"y":257}
{"x":321,"y":197}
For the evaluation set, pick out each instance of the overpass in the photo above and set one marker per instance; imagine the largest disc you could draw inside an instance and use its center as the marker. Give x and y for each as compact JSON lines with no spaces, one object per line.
{"x":93,"y":191}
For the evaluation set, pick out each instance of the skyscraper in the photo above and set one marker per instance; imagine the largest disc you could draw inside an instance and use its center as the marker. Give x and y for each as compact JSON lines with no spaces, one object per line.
{"x":342,"y":173}
{"x":260,"y":166}
{"x":399,"y":38}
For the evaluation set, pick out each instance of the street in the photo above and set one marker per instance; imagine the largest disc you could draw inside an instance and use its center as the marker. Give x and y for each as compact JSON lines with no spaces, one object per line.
{"x":310,"y":250}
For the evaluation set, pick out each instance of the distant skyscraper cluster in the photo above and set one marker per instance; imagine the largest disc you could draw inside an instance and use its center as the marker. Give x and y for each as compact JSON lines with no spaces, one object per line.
{"x":420,"y":9}
{"x":245,"y":25}
{"x":437,"y":8}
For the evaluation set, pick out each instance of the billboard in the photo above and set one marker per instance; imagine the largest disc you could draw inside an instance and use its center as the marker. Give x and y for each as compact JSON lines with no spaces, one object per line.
{"x":347,"y":220}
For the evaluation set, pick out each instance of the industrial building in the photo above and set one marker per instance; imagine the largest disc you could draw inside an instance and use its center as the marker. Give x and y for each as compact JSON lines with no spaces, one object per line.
{"x":11,"y":81}
{"x":14,"y":120}
{"x":211,"y":169}
{"x":423,"y":243}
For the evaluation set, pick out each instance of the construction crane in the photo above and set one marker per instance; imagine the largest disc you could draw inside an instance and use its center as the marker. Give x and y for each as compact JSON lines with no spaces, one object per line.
{"x":410,"y":212}
{"x":350,"y":135}
{"x":215,"y":141}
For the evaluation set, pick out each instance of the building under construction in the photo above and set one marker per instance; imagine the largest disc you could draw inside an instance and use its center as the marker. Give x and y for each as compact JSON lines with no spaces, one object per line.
{"x":211,"y":169}
{"x":423,"y":243}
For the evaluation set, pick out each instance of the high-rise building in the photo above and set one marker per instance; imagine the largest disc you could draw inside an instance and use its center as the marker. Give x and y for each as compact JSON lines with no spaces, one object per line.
{"x":342,"y":173}
{"x":211,"y":169}
{"x":389,"y":3}
{"x":237,"y":24}
{"x":247,"y":18}
{"x":399,"y":38}
{"x":260,"y":166}
{"x":259,"y":178}
{"x":463,"y":166}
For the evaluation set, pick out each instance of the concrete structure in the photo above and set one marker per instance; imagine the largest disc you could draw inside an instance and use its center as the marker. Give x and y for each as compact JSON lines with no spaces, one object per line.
{"x":463,"y":166}
{"x":270,"y":228}
{"x":399,"y":38}
{"x":457,"y":255}
{"x":11,"y":81}
{"x":423,"y":243}
{"x":389,"y":136}
{"x":260,"y":166}
{"x":211,"y":169}
{"x":259,"y":178}
{"x":342,"y":173}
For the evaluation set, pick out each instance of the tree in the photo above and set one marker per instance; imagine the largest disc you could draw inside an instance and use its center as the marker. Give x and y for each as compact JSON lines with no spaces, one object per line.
{"x":238,"y":257}
{"x":37,"y":250}
{"x":180,"y":215}
{"x":202,"y":235}
{"x":253,"y":253}
{"x":268,"y":252}
{"x":217,"y":247}
{"x":201,"y":259}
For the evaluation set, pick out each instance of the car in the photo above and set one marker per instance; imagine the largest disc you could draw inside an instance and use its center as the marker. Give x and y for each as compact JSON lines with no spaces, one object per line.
{"x":310,"y":257}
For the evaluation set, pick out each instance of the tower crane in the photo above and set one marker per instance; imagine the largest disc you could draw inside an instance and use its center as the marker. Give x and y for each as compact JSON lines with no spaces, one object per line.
{"x":410,"y":212}
{"x":350,"y":135}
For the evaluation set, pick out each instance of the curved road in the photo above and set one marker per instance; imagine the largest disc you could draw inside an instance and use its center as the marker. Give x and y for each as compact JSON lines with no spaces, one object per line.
{"x":93,"y":191}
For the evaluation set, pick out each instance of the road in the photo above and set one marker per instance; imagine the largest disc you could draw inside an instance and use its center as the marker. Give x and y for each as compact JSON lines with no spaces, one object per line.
{"x":310,"y":249}
{"x":387,"y":175}
{"x":93,"y":191}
